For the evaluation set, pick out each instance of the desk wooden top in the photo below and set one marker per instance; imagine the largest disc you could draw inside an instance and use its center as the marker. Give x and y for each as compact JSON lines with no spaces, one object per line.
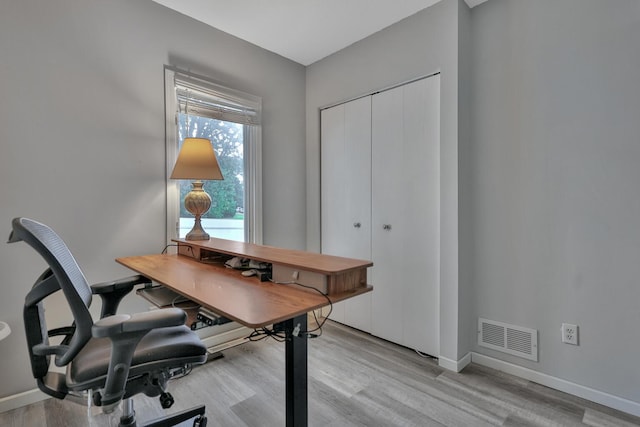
{"x":245,"y":300}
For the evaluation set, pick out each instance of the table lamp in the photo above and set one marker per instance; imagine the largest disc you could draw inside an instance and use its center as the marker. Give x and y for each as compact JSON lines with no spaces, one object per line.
{"x":197,"y":161}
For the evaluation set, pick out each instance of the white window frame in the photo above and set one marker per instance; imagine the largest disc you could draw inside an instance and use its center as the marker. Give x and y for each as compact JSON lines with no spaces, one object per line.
{"x":252,"y":152}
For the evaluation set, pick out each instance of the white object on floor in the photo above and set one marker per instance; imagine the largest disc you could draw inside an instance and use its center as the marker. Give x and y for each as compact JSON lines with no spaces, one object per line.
{"x":5,"y":330}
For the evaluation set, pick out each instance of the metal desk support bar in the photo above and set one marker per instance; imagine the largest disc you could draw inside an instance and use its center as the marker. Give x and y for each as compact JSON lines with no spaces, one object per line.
{"x":296,"y":372}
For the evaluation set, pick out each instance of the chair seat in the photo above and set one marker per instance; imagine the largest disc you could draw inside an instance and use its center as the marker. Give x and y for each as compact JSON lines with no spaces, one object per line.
{"x":160,"y":348}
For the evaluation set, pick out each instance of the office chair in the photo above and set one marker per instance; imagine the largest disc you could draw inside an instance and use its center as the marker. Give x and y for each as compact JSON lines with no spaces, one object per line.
{"x":113,"y":358}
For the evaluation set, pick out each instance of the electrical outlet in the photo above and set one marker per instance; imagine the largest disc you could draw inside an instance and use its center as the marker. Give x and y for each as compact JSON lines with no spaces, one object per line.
{"x":570,"y":333}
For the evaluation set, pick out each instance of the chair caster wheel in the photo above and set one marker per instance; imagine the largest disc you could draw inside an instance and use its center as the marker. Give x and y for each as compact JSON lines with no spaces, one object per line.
{"x":166,"y":400}
{"x":201,"y":421}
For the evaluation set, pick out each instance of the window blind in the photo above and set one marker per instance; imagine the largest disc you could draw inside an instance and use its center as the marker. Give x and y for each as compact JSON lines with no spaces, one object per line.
{"x":199,"y":97}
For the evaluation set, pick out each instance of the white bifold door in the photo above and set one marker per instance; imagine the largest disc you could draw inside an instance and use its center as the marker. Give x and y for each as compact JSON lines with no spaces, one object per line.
{"x":380,"y":200}
{"x":346,"y":196}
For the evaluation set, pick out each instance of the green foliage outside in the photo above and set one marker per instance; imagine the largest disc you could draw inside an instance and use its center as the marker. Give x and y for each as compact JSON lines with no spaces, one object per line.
{"x":227,"y":196}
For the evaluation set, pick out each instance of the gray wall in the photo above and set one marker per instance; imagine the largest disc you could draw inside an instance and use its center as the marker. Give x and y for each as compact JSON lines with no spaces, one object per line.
{"x":420,"y":45}
{"x":82,"y":137}
{"x":466,"y":331}
{"x":555,"y":181}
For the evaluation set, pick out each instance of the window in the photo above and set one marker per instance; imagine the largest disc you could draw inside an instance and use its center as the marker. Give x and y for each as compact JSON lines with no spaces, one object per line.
{"x":197,"y":107}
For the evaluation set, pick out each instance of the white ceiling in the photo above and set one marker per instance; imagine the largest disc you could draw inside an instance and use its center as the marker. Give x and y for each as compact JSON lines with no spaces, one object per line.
{"x":304,"y":31}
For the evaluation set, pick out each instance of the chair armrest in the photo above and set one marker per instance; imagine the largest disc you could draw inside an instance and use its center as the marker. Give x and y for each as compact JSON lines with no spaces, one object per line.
{"x":116,"y":285}
{"x":46,"y":350}
{"x":113,"y":292}
{"x":113,"y":326}
{"x":125,"y":332}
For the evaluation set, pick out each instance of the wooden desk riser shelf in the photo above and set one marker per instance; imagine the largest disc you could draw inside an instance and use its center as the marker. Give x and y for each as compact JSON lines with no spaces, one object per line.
{"x":334,"y":274}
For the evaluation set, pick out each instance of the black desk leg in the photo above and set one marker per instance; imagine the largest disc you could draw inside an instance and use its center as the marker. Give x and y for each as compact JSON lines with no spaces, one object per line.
{"x":296,"y":372}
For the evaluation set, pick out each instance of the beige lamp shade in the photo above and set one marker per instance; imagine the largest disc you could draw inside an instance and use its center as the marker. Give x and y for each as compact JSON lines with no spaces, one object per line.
{"x":196,"y":160}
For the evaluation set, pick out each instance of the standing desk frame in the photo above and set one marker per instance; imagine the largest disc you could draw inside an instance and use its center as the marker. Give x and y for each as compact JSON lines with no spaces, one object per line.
{"x":198,"y":273}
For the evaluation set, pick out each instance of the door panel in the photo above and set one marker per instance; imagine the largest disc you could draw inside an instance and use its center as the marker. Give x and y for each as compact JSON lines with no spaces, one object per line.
{"x":387,"y":210}
{"x":332,"y":160}
{"x":358,"y":201}
{"x":421,"y":184}
{"x":346,"y":195}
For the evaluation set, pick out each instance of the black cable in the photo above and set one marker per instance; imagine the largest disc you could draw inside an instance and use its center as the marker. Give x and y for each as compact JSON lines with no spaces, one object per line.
{"x":264,"y":332}
{"x":310,"y":333}
{"x":164,"y":251}
{"x":319,"y":328}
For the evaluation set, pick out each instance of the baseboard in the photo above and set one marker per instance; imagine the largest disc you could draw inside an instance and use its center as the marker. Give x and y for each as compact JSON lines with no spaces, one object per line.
{"x":588,"y":393}
{"x":454,"y":365}
{"x":21,"y":399}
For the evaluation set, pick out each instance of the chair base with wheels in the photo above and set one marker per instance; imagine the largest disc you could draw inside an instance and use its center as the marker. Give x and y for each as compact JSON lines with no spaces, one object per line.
{"x":128,"y":417}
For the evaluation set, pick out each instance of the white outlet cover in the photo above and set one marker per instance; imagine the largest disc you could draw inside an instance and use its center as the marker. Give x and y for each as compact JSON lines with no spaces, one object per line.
{"x":570,"y":333}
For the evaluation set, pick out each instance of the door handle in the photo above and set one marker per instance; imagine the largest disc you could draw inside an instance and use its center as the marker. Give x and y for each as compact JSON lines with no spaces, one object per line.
{"x":386,"y":227}
{"x":357,"y":224}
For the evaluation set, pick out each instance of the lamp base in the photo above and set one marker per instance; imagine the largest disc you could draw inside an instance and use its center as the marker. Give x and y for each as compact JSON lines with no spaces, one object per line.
{"x":197,"y":232}
{"x":197,"y":202}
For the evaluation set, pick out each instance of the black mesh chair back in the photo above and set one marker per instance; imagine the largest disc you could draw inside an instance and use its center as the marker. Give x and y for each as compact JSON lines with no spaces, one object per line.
{"x":63,"y":273}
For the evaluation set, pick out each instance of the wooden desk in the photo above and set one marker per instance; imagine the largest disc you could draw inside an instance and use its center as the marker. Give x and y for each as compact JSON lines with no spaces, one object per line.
{"x":256,"y":304}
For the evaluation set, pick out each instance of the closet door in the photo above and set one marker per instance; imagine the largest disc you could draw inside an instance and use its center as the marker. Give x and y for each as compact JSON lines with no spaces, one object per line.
{"x":346,"y":195}
{"x":421,"y":297}
{"x":333,"y":174}
{"x":405,"y":215}
{"x":388,"y":205}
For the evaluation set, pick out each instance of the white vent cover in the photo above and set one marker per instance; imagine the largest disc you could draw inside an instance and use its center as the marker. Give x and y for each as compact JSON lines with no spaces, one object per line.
{"x":507,"y":338}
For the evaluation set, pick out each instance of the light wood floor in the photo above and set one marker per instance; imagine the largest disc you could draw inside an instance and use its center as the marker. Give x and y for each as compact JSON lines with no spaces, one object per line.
{"x":354,"y":380}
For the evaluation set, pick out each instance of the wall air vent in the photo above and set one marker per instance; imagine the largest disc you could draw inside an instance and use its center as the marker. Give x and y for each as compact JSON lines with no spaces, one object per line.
{"x":511,"y":339}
